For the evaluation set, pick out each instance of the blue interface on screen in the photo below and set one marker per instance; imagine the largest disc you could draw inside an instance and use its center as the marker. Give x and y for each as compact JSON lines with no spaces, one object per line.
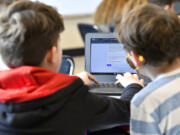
{"x":108,"y":56}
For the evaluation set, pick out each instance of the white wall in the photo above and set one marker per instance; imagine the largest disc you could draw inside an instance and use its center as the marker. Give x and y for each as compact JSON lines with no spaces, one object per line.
{"x":73,"y":7}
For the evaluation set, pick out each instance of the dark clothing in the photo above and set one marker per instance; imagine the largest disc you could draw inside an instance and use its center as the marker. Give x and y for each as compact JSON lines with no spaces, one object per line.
{"x":70,"y":110}
{"x":129,"y":91}
{"x":112,"y":131}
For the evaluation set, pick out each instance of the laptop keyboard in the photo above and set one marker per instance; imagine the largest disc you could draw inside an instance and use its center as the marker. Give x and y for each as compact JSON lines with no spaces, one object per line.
{"x":106,"y":89}
{"x":110,"y":88}
{"x":105,"y":85}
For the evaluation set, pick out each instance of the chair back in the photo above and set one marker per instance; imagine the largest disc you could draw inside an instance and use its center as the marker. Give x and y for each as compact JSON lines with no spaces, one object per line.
{"x":67,"y":65}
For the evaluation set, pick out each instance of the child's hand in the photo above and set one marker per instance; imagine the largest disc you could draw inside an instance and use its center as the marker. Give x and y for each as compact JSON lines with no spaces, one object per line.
{"x":128,"y":79}
{"x":87,"y":77}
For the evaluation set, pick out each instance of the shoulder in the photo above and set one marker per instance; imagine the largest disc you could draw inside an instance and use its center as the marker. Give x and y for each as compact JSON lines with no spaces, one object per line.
{"x":156,"y":93}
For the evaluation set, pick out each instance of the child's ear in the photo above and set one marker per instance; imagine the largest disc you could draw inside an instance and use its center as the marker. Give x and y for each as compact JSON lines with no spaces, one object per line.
{"x":137,"y":58}
{"x":51,"y":57}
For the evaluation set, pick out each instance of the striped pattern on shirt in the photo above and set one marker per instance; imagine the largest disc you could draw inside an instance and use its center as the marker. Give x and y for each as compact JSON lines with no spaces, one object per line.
{"x":155,"y":110}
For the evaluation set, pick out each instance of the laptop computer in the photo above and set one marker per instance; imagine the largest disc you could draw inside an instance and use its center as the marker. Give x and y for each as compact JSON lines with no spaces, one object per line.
{"x":104,"y":59}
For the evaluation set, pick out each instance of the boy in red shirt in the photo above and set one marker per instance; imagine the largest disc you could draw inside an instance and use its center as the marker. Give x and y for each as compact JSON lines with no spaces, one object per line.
{"x":34,"y":99}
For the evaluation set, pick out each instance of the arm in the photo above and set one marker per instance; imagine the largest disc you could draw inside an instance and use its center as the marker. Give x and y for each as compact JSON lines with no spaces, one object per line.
{"x":130,"y":91}
{"x":103,"y":112}
{"x":95,"y":112}
{"x":131,"y":83}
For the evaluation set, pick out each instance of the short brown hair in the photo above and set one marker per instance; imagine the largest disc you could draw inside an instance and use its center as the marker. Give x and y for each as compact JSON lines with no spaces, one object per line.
{"x":27,"y":31}
{"x":151,"y":32}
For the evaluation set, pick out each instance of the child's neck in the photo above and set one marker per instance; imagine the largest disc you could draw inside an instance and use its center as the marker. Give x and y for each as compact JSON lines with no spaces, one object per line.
{"x":154,"y":72}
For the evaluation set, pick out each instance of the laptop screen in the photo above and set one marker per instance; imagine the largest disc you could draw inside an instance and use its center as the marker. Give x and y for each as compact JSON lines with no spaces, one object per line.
{"x":108,"y":56}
